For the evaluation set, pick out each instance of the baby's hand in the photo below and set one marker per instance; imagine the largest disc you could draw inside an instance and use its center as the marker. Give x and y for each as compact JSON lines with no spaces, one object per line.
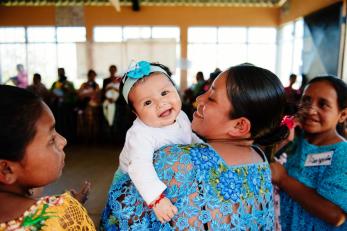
{"x":164,"y":210}
{"x":82,"y":195}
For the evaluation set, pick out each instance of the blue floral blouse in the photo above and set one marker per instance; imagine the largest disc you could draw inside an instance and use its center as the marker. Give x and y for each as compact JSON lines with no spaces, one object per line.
{"x":209,"y":194}
{"x":329,"y":180}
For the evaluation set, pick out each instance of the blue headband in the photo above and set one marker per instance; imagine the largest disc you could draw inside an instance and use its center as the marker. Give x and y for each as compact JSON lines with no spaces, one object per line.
{"x":140,"y":70}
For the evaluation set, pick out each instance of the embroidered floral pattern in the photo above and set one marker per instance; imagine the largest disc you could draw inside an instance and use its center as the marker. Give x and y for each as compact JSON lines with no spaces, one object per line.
{"x":204,"y":189}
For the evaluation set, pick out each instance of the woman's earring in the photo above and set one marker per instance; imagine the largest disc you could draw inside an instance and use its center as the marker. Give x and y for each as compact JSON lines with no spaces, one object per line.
{"x":30,"y":192}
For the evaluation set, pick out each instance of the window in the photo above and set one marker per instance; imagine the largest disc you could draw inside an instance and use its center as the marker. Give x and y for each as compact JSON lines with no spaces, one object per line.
{"x":41,"y":34}
{"x":202,"y":35}
{"x":166,"y":32}
{"x":71,"y":34}
{"x":130,"y":32}
{"x":41,"y":50}
{"x":222,"y":47}
{"x":119,"y":44}
{"x":290,"y":51}
{"x":108,"y":34}
{"x":12,"y":35}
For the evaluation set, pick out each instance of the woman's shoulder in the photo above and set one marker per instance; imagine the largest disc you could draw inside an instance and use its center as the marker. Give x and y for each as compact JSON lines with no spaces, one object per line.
{"x":183,"y":153}
{"x":208,"y":167}
{"x":342,"y":144}
{"x":184,"y":148}
{"x":340,"y":152}
{"x":34,"y":216}
{"x":68,"y":215}
{"x":339,"y":146}
{"x":58,"y":211}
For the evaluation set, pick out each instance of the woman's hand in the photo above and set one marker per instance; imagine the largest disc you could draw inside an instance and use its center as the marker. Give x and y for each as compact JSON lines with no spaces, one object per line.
{"x":278,"y":173}
{"x":82,"y":195}
{"x":307,"y":197}
{"x":164,"y":210}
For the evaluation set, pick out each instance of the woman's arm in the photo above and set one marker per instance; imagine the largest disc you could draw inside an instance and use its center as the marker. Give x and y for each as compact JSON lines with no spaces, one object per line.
{"x":307,"y":197}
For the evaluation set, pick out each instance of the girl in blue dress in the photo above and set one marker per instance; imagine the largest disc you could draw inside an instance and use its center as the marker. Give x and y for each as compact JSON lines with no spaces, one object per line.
{"x":314,"y":180}
{"x":224,"y":184}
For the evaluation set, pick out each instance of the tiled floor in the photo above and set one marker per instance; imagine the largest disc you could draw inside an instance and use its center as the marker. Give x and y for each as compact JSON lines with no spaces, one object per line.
{"x":94,"y":163}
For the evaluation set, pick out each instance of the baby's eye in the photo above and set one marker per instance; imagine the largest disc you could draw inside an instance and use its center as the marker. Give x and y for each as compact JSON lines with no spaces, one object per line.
{"x":163,"y":93}
{"x":146,"y":103}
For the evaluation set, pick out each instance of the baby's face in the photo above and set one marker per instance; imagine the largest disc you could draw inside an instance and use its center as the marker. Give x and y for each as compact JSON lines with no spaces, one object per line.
{"x":155,"y":100}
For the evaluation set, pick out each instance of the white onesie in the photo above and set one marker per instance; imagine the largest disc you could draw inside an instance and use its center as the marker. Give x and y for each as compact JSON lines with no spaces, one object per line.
{"x":141,"y":142}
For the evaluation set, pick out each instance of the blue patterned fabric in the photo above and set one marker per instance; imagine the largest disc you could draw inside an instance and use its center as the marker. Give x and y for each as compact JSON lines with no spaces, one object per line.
{"x":330,"y":181}
{"x":209,"y":194}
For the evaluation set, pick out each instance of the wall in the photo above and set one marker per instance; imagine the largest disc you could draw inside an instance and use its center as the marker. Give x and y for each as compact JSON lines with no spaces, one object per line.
{"x":25,"y":16}
{"x":107,"y":15}
{"x":322,"y":36}
{"x":294,"y":9}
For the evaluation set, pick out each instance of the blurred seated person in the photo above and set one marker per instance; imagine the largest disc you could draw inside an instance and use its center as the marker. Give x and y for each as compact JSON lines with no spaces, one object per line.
{"x":213,"y":76}
{"x":89,"y":107}
{"x":200,"y":82}
{"x":21,"y":79}
{"x":292,"y":96}
{"x":113,"y":75}
{"x":63,"y":105}
{"x":111,"y":95}
{"x":63,"y":89}
{"x":39,"y":89}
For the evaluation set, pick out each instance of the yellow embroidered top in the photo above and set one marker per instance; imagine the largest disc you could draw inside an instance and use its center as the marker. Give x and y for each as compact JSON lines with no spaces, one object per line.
{"x":53,"y":213}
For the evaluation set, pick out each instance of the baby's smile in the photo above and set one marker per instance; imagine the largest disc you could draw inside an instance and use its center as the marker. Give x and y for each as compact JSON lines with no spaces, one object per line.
{"x":165,"y":113}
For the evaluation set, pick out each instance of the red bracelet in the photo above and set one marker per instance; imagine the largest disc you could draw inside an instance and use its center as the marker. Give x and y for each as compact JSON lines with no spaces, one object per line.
{"x":156,"y":201}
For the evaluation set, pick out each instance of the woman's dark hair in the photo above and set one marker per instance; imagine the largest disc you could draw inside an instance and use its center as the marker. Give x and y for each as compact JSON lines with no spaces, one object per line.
{"x":258,"y":95}
{"x":339,"y":86}
{"x":200,"y":76}
{"x":19,"y":112}
{"x":37,"y":76}
{"x":91,"y":72}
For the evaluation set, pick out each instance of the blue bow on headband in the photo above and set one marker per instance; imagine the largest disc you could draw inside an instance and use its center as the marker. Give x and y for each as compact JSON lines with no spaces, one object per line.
{"x":140,"y":70}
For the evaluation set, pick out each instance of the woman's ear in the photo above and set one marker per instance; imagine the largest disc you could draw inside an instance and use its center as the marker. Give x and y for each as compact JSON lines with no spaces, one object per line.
{"x":241,"y":127}
{"x":343,"y":115}
{"x":7,"y":173}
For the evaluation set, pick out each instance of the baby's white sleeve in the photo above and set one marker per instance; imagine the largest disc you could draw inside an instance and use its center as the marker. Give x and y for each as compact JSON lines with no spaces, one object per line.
{"x":196,"y":139}
{"x":140,"y":148}
{"x":184,"y":120}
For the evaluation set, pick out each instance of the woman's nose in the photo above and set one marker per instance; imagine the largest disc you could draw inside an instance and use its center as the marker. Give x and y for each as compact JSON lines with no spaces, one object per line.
{"x":62,"y":141}
{"x":201,"y":98}
{"x":311,"y":109}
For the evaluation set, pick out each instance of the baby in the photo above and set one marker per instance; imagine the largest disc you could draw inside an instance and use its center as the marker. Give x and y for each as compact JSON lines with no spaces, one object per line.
{"x":151,"y":94}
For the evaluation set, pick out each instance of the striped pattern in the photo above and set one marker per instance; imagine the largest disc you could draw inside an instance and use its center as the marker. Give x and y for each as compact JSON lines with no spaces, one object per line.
{"x":219,"y":3}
